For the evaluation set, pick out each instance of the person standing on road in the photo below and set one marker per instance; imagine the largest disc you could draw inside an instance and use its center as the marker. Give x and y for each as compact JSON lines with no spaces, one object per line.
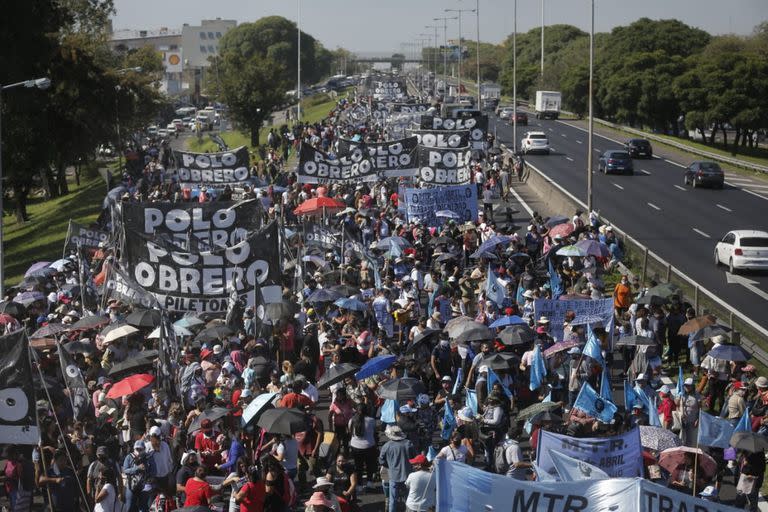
{"x":421,"y":486}
{"x":488,"y":202}
{"x":622,"y":296}
{"x":395,"y":456}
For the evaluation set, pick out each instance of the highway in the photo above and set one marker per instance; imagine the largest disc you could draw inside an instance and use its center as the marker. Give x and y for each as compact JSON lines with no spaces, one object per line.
{"x":679,"y":223}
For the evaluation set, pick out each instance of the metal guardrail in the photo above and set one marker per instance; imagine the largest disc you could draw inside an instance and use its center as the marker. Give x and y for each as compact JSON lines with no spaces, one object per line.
{"x":748,"y":333}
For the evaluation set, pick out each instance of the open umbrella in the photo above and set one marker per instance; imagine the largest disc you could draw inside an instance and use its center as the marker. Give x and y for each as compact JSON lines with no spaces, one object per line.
{"x":258,"y":405}
{"x":546,"y":416}
{"x":89,"y":322}
{"x":49,"y":331}
{"x":506,"y":320}
{"x":561,"y":346}
{"x":323,"y":295}
{"x":672,"y":458}
{"x":749,"y":441}
{"x":188,"y":322}
{"x":29,"y":297}
{"x":404,"y":388}
{"x":445,"y":257}
{"x":214,"y":333}
{"x":8,"y":320}
{"x":345,"y":289}
{"x":14,"y":309}
{"x":710,"y":331}
{"x":652,"y":300}
{"x":442,"y":240}
{"x":556,"y":220}
{"x":386,"y":243}
{"x":45,"y":272}
{"x":729,"y":353}
{"x":351,"y":304}
{"x":594,"y":248}
{"x":665,"y":290}
{"x":517,"y":335}
{"x":177,"y":330}
{"x":337,"y":374}
{"x":696,"y":324}
{"x":318,"y":205}
{"x":276,"y":311}
{"x":423,"y":336}
{"x":564,"y":229}
{"x":130,"y":385}
{"x":283,"y":421}
{"x":80,"y":347}
{"x":474,"y":331}
{"x":497,"y":362}
{"x":453,"y":325}
{"x":40,"y":265}
{"x":120,"y":332}
{"x":63,"y":263}
{"x":490,"y":245}
{"x":212,"y":414}
{"x":144,"y":318}
{"x":634,"y":341}
{"x":571,"y":251}
{"x":657,"y":438}
{"x":537,"y":408}
{"x":375,"y":365}
{"x":132,"y":365}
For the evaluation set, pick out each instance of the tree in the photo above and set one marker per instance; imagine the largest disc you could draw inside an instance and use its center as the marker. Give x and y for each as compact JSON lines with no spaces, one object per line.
{"x":397,"y":60}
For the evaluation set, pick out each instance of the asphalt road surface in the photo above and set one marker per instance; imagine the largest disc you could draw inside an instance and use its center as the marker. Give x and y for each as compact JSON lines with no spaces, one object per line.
{"x":677,"y":222}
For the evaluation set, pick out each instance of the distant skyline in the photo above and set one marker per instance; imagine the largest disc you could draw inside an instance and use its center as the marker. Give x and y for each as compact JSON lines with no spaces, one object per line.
{"x":382,"y":26}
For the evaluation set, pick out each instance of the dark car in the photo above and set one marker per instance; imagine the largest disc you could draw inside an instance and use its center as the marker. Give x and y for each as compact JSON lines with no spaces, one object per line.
{"x":520,"y":118}
{"x":616,"y":161}
{"x":639,"y":148}
{"x":704,"y":173}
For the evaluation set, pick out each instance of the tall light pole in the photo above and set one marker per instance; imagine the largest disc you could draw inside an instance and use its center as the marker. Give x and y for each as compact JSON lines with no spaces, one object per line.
{"x":421,"y":57}
{"x":298,"y":60}
{"x":477,"y":56}
{"x":542,"y":42}
{"x":445,"y":47}
{"x":39,"y":83}
{"x":119,"y":148}
{"x":434,"y":57}
{"x":514,"y":80}
{"x":590,"y":123}
{"x":461,"y":51}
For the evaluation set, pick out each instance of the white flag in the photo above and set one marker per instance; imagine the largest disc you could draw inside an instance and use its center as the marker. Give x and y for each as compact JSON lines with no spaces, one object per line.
{"x":573,"y":470}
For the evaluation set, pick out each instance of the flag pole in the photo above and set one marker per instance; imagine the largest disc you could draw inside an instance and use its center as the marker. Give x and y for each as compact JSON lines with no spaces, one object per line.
{"x":695,"y":463}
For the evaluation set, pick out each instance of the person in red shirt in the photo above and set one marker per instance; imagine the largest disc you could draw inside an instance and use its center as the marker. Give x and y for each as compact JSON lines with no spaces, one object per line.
{"x":294,"y":399}
{"x":251,"y":495}
{"x":206,"y":445}
{"x":666,"y":406}
{"x":198,"y":491}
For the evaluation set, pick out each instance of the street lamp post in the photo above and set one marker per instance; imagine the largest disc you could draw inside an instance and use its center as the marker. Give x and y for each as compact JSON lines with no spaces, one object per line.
{"x":298,"y":61}
{"x":477,"y":54}
{"x":39,"y":83}
{"x":421,"y":57}
{"x":542,"y":42}
{"x":514,"y":80}
{"x":461,"y":51}
{"x":434,"y":57}
{"x":445,"y":47}
{"x":590,"y":123}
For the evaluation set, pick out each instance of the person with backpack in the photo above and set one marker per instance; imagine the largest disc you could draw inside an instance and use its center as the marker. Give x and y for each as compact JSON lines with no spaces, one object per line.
{"x":103,"y":460}
{"x":138,"y":471}
{"x":508,"y":457}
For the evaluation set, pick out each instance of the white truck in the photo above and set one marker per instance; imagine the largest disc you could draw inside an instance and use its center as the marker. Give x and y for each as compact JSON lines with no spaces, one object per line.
{"x":547,"y":104}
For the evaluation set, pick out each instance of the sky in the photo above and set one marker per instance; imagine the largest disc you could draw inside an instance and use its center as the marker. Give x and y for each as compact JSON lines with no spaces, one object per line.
{"x":384,"y":25}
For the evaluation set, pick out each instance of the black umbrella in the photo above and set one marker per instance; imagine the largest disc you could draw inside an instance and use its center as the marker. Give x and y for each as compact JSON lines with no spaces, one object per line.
{"x":535,"y":409}
{"x":142,"y":360}
{"x":473,"y":331}
{"x":749,"y":441}
{"x":144,"y":318}
{"x":555,"y":220}
{"x":423,"y":336}
{"x":214,"y":333}
{"x":14,"y":309}
{"x":212,"y":414}
{"x":497,"y":361}
{"x":80,"y":347}
{"x":546,"y":416}
{"x":652,"y":300}
{"x":324,"y":295}
{"x":517,"y":335}
{"x":337,"y":374}
{"x":345,"y":290}
{"x":442,"y":240}
{"x":279,"y":310}
{"x":404,"y":388}
{"x":90,"y":322}
{"x":445,"y":257}
{"x":33,"y":282}
{"x":283,"y":421}
{"x":634,"y":340}
{"x":49,"y":331}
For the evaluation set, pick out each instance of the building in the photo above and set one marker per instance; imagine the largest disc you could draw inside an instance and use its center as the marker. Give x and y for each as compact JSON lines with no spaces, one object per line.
{"x":202,"y":41}
{"x":165,"y":41}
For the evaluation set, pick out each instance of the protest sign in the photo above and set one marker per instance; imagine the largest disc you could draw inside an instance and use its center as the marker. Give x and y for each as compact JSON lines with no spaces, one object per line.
{"x":387,"y":88}
{"x":198,"y":282}
{"x":18,"y":417}
{"x":213,"y":169}
{"x":359,"y":162}
{"x":477,"y":126}
{"x":120,"y":286}
{"x":555,"y":310}
{"x":410,"y":107}
{"x":423,"y":203}
{"x":442,"y":138}
{"x":85,"y":237}
{"x":444,"y":166}
{"x":320,"y":236}
{"x":619,"y":456}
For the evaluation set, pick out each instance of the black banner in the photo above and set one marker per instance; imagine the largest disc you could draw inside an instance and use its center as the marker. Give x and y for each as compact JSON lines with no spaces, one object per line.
{"x":388,"y":88}
{"x":477,"y":127}
{"x":73,"y":380}
{"x":213,"y":169}
{"x":18,"y":418}
{"x":442,"y":138}
{"x":87,"y":238}
{"x":359,"y":162}
{"x":195,"y":227}
{"x":410,"y":108}
{"x":320,"y":236}
{"x":120,"y":286}
{"x":444,"y":166}
{"x":199,"y":282}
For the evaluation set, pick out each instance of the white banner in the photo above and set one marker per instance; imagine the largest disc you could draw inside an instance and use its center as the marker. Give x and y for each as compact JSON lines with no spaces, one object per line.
{"x":619,"y":456}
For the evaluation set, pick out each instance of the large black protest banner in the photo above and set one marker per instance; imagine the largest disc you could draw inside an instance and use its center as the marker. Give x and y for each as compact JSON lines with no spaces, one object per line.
{"x":444,"y":166}
{"x":87,"y":238}
{"x":213,"y":169}
{"x":410,"y":108}
{"x":359,"y":162}
{"x":198,"y":282}
{"x":73,"y":380}
{"x":18,"y":420}
{"x":423,"y":204}
{"x":388,"y":88}
{"x":195,"y":227}
{"x":320,"y":236}
{"x":477,"y":126}
{"x":120,"y":286}
{"x":442,"y":138}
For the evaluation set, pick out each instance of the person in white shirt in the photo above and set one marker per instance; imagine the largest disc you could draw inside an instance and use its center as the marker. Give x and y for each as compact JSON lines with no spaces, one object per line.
{"x":420,"y":485}
{"x":106,"y":496}
{"x":454,"y":450}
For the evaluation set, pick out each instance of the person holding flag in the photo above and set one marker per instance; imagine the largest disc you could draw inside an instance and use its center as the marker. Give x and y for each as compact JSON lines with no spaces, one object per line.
{"x":688,"y":405}
{"x":736,"y":404}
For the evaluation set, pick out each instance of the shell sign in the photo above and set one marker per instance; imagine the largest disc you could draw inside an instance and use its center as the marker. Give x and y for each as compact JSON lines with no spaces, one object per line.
{"x":173,"y":62}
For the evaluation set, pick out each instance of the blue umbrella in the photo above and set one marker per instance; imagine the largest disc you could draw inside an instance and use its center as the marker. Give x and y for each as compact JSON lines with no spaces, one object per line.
{"x":351,"y":304}
{"x":388,"y":242}
{"x":257,"y":406}
{"x":27,"y":298}
{"x":729,"y":353}
{"x":507,"y":320}
{"x":375,"y":365}
{"x":323,"y":295}
{"x":571,"y":250}
{"x":490,"y":245}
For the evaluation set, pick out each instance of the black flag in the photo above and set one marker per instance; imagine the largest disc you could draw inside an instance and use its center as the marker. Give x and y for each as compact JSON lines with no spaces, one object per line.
{"x":18,"y":423}
{"x":168,"y":352}
{"x":234,"y":318}
{"x":73,"y":379}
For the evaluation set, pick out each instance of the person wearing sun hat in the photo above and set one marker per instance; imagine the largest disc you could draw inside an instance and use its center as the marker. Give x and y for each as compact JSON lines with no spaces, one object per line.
{"x":420,"y":485}
{"x":395,"y":456}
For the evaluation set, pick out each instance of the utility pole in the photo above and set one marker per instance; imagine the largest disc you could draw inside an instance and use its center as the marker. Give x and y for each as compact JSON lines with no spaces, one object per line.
{"x":477,"y":57}
{"x":298,"y":61}
{"x":514,"y":80}
{"x":461,"y":47}
{"x":434,"y":57}
{"x":542,"y":42}
{"x":445,"y":47}
{"x":590,"y":126}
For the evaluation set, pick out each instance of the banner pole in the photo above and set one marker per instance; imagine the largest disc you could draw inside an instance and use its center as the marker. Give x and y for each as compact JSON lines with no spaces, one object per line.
{"x":695,"y":464}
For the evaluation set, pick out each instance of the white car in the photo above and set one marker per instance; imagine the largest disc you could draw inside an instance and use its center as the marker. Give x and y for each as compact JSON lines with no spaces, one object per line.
{"x":162,"y":132}
{"x":171,"y":128}
{"x":743,"y":250}
{"x":535,"y":142}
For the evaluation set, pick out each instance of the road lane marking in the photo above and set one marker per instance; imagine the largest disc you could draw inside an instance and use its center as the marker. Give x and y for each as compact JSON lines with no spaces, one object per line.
{"x":595,"y":149}
{"x":723,"y":207}
{"x":617,"y":186}
{"x":596,"y":134}
{"x":674,"y":163}
{"x":645,"y":172}
{"x":563,"y":135}
{"x":579,"y":142}
{"x":736,"y":178}
{"x":755,"y":194}
{"x":654,"y":206}
{"x":678,"y":187}
{"x":550,"y":129}
{"x":701,"y":233}
{"x":569,"y":159}
{"x":755,"y":186}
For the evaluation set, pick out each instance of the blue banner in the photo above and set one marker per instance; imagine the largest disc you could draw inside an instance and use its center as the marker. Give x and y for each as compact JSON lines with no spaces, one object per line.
{"x":423,"y":203}
{"x":555,"y":310}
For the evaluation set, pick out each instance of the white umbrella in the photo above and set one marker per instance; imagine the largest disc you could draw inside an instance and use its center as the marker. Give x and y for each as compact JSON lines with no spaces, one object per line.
{"x":59,"y":265}
{"x":177,"y":330}
{"x":120,"y":332}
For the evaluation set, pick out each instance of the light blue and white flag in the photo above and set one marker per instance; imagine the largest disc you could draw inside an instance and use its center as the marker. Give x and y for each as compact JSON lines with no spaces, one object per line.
{"x":595,"y":405}
{"x":574,"y":470}
{"x":538,"y":369}
{"x":744,"y":424}
{"x":714,"y":431}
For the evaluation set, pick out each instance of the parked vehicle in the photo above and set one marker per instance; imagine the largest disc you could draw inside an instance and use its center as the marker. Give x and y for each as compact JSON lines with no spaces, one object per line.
{"x":535,"y":142}
{"x":639,"y":148}
{"x":704,"y":173}
{"x":615,"y":161}
{"x":548,"y":104}
{"x":743,"y":250}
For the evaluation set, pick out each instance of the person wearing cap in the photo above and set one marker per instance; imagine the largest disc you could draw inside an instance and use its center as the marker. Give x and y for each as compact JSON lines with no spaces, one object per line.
{"x":103,"y":460}
{"x":420,"y":485}
{"x":206,"y":445}
{"x":688,"y":405}
{"x":395,"y":456}
{"x":186,"y":471}
{"x":160,"y":452}
{"x":710,"y":493}
{"x":736,"y":402}
{"x":666,"y":406}
{"x":718,"y":372}
{"x":318,"y":502}
{"x":138,"y":471}
{"x":446,"y":386}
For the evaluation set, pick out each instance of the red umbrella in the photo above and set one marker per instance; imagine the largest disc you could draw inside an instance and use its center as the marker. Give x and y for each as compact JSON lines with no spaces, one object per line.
{"x":561,"y":229}
{"x":130,"y":385}
{"x":317,"y":204}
